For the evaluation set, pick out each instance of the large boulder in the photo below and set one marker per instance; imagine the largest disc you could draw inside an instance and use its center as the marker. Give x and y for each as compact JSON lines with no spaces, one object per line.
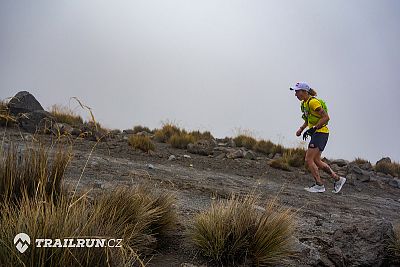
{"x":340,"y":162}
{"x":23,"y":102}
{"x":356,"y":173}
{"x":38,"y":121}
{"x":362,"y":244}
{"x":384,"y":160}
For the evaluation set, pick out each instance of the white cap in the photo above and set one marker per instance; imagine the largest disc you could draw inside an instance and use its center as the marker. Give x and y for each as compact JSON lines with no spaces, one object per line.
{"x":300,"y":86}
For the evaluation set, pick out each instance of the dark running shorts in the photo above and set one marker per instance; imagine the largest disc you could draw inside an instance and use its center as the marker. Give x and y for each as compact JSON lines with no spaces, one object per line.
{"x":318,"y":140}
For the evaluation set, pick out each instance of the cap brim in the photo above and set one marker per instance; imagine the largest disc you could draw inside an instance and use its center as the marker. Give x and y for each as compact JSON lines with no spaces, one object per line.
{"x":295,"y":89}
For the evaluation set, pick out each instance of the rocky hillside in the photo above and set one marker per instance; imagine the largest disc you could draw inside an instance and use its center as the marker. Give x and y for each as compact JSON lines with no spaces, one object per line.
{"x":346,"y":229}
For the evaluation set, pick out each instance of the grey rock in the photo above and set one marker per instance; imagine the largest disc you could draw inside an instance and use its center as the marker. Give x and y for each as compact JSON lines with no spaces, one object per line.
{"x":363,"y":244}
{"x":340,"y":162}
{"x":115,"y":132}
{"x":395,"y":182}
{"x":36,"y":121}
{"x":75,"y":132}
{"x":336,"y":255}
{"x":187,"y":156}
{"x":277,"y":156}
{"x":98,"y":184}
{"x":144,"y":133}
{"x":358,"y":173}
{"x":150,"y":166}
{"x":128,"y":131}
{"x":250,"y":155}
{"x":23,"y":102}
{"x":384,"y":160}
{"x":172,"y":157}
{"x":366,"y":166}
{"x":61,"y":128}
{"x":307,"y":252}
{"x":236,"y":154}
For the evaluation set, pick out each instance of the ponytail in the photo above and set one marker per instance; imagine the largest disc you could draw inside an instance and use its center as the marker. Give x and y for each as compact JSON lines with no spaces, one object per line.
{"x":312,"y":92}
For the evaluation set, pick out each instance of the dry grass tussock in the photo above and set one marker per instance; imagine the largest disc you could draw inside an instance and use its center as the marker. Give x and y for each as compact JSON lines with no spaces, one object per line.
{"x":139,"y":128}
{"x":235,"y":231}
{"x":243,"y":140}
{"x":280,"y":163}
{"x":143,"y":143}
{"x":264,"y":147}
{"x":34,"y":202}
{"x":392,"y":168}
{"x":178,"y":137}
{"x":64,"y":114}
{"x":166,"y":132}
{"x":360,"y":161}
{"x":5,"y":117}
{"x":295,"y":157}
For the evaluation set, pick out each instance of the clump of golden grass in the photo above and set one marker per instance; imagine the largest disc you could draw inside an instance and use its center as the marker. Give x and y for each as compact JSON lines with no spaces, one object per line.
{"x":135,"y":215}
{"x":141,"y":142}
{"x":264,"y":147}
{"x":201,"y":135}
{"x":360,"y":161}
{"x":394,"y":247}
{"x":280,"y":163}
{"x":30,"y":169}
{"x":243,"y":140}
{"x":139,"y":128}
{"x":235,"y":231}
{"x":181,"y":140}
{"x":392,"y":168}
{"x":278,"y":149}
{"x":64,"y":114}
{"x":5,"y":117}
{"x":166,"y":132}
{"x":295,"y":157}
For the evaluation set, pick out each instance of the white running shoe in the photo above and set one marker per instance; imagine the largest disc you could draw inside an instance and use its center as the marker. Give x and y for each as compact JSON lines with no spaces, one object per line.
{"x":316,"y":188}
{"x":337,"y":186}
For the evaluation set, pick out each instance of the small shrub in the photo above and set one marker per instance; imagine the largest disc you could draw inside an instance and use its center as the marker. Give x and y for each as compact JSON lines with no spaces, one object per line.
{"x":166,"y":132}
{"x":181,"y":140}
{"x":201,"y":135}
{"x":143,"y":143}
{"x":295,"y":157}
{"x":5,"y":117}
{"x":264,"y":147}
{"x":360,"y":161}
{"x":139,"y":128}
{"x":278,"y":149}
{"x":65,"y":115}
{"x":234,"y":231}
{"x":31,"y":170}
{"x":280,"y":163}
{"x":392,"y":168}
{"x":28,"y":184}
{"x":245,"y":141}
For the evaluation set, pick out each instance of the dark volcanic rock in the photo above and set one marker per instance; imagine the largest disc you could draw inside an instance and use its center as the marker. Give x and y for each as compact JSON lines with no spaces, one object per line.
{"x":23,"y":102}
{"x":36,"y":121}
{"x":363,"y":244}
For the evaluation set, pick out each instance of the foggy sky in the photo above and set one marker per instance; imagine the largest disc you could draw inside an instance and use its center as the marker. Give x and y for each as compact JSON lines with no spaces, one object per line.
{"x":213,"y":65}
